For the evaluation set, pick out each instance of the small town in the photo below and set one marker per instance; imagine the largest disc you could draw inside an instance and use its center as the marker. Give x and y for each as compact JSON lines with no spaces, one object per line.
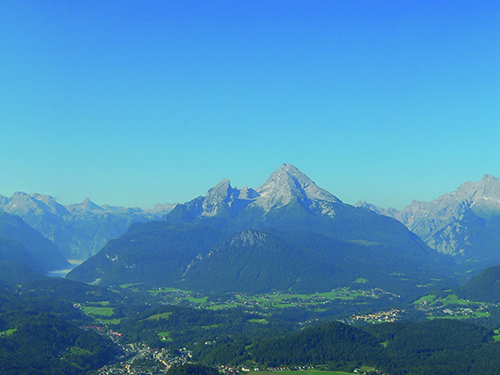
{"x":453,"y":307}
{"x":391,"y":315}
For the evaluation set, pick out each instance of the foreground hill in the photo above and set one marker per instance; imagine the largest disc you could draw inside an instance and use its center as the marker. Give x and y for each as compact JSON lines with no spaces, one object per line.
{"x":464,"y":224}
{"x":327,"y":343}
{"x":432,"y":347}
{"x":288,"y":234}
{"x":79,"y":230}
{"x":38,"y":326}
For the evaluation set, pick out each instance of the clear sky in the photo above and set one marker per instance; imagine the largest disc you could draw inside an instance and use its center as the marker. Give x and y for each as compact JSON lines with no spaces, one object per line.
{"x":134,"y":103}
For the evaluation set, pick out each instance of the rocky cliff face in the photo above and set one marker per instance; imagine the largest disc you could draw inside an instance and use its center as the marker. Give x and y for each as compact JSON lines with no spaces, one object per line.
{"x":285,"y":187}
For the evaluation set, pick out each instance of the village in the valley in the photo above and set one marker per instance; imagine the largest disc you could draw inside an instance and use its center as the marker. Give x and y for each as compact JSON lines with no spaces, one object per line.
{"x":138,"y":358}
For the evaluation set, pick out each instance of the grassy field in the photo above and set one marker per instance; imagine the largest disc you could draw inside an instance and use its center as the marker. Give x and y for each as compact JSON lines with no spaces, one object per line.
{"x":361,"y":280}
{"x":164,"y":336}
{"x":164,"y":315}
{"x":261,"y":321}
{"x":108,"y":321}
{"x":275,"y":300}
{"x":452,"y":299}
{"x":429,"y":298}
{"x":100,"y":311}
{"x":343,"y":294}
{"x":125,"y":286}
{"x":475,"y":314}
{"x":201,"y":300}
{"x":75,"y":350}
{"x":9,"y":332}
{"x":497,"y":335}
{"x":155,"y":292}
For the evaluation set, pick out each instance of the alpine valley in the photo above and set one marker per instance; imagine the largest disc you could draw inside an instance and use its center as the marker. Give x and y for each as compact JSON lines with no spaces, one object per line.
{"x":285,"y":277}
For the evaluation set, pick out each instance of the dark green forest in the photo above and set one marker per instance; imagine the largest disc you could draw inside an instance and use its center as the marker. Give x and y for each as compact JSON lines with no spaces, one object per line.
{"x":39,"y":330}
{"x":432,"y":347}
{"x":45,"y":344}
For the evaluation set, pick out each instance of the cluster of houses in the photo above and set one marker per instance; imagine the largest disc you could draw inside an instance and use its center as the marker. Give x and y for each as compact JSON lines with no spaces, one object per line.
{"x":439,"y":309}
{"x":391,"y":315}
{"x":139,"y":360}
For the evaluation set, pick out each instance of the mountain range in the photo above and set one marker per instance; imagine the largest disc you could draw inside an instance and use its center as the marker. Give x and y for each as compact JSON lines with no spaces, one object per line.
{"x":288,"y":234}
{"x":464,"y":224}
{"x":79,"y":230}
{"x":289,"y":218}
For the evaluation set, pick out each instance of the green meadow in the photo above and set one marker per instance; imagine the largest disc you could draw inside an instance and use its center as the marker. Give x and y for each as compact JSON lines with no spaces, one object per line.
{"x":9,"y":332}
{"x":99,"y":311}
{"x":164,"y":315}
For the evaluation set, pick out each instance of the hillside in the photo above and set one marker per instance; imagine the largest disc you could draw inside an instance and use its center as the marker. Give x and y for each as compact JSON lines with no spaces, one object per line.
{"x":483,"y":287}
{"x":42,"y":343}
{"x":16,"y":272}
{"x":432,"y":347}
{"x":154,"y":252}
{"x":21,"y":243}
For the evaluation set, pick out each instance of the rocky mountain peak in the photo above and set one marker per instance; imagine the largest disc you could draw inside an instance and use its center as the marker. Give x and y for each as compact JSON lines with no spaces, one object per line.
{"x":21,"y":203}
{"x":87,"y":204}
{"x":288,"y":183}
{"x":469,"y":194}
{"x":248,"y":193}
{"x":285,"y":185}
{"x":220,"y":190}
{"x":218,"y":197}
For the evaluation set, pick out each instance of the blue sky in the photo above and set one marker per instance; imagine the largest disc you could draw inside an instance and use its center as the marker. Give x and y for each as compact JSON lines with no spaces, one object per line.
{"x":136,"y":103}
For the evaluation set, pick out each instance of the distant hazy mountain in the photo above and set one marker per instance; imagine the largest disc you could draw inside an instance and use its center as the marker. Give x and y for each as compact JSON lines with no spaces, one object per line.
{"x":22,"y":244}
{"x":464,"y":224}
{"x":287,"y":235}
{"x":79,"y":230}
